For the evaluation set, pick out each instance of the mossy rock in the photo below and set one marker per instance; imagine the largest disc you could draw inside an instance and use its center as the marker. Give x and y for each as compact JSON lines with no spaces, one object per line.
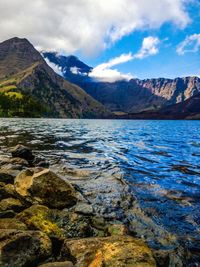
{"x":55,"y":223}
{"x":117,"y":229}
{"x":6,"y":190}
{"x":39,"y":217}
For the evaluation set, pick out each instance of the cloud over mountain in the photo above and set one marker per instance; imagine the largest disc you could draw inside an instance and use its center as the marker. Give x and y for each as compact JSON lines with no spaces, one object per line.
{"x":104,"y":71}
{"x":85,"y":25}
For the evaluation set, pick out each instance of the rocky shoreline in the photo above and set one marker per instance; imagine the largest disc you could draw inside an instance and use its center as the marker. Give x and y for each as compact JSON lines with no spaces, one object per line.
{"x":52,"y":216}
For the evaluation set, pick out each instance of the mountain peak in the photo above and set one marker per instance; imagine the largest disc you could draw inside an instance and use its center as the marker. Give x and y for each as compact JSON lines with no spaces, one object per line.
{"x":17,"y":54}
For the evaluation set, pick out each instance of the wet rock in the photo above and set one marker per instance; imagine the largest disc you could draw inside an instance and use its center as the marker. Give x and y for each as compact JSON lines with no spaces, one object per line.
{"x":58,"y":264}
{"x":83,"y":208}
{"x":6,"y":176}
{"x":55,"y":223}
{"x":13,"y":163}
{"x":99,"y":223}
{"x":7,"y":214}
{"x":109,"y":199}
{"x":142,"y":226}
{"x":6,"y":190}
{"x":108,"y":251}
{"x":23,"y":248}
{"x":41,"y":162}
{"x":13,"y":223}
{"x":23,"y":152}
{"x":166,"y":258}
{"x":45,"y":187}
{"x":11,"y":204}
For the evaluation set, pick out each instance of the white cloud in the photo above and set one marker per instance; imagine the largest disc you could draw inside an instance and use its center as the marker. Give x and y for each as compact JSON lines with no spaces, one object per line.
{"x":149,"y":47}
{"x":103,"y":72}
{"x":75,"y":70}
{"x":55,"y":67}
{"x":190,"y":44}
{"x":85,"y":25}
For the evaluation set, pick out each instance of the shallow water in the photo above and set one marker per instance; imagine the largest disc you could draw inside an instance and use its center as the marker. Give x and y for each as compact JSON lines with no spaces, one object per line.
{"x":160,"y":160}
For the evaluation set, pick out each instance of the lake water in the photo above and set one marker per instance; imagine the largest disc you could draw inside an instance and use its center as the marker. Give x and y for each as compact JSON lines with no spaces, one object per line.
{"x":159,"y":159}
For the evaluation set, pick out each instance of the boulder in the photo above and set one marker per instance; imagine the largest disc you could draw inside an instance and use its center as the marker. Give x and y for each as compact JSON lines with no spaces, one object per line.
{"x":23,"y":248}
{"x":55,"y":223}
{"x":58,"y":264}
{"x":23,"y":152}
{"x":11,"y":204}
{"x":6,"y":190}
{"x":39,"y":217}
{"x":45,"y":187}
{"x":108,"y":251}
{"x":13,"y":223}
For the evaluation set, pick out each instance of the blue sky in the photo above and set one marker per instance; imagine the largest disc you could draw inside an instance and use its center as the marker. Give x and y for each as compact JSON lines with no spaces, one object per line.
{"x":167,"y":62}
{"x":120,"y":38}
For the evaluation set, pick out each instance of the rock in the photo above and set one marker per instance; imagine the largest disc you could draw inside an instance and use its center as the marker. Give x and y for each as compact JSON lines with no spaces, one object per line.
{"x":23,"y":152}
{"x":11,"y":204}
{"x":84,"y":209}
{"x":13,"y":163}
{"x":39,"y":217}
{"x":13,"y":223}
{"x":108,"y":251}
{"x":6,"y":190}
{"x":7,"y":214}
{"x":58,"y":264}
{"x":117,"y":229}
{"x":23,"y":248}
{"x":55,"y":223}
{"x":45,"y":187}
{"x":6,"y":177}
{"x":41,"y":162}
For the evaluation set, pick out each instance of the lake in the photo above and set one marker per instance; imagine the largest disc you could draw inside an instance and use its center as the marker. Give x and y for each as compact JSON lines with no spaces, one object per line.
{"x":159,"y":159}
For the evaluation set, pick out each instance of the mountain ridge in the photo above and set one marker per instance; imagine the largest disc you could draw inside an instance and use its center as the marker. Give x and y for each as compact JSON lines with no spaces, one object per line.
{"x":136,"y":95}
{"x":24,"y":71}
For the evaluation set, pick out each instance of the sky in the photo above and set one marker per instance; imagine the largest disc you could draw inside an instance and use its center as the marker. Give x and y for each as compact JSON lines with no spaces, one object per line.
{"x":121,"y":39}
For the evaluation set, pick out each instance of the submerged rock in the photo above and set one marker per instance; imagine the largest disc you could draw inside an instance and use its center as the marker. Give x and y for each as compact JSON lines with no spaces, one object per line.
{"x":23,"y":248}
{"x":84,"y":208}
{"x":23,"y":152}
{"x":45,"y":187}
{"x":108,"y":251}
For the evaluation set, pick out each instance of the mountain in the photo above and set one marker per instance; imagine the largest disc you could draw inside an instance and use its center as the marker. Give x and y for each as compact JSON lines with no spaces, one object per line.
{"x":132,"y":96}
{"x":188,"y":109}
{"x":29,"y":87}
{"x":71,"y":67}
